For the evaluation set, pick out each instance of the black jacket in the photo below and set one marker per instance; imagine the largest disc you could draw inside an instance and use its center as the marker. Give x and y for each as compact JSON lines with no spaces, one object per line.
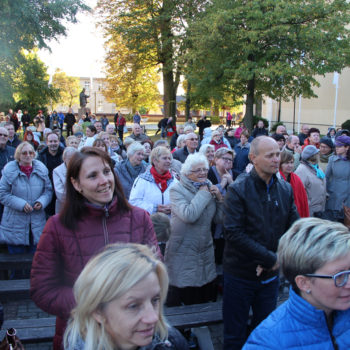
{"x":181,"y":154}
{"x":259,"y":132}
{"x":15,"y":142}
{"x":255,"y":219}
{"x":70,"y":119}
{"x":6,"y":155}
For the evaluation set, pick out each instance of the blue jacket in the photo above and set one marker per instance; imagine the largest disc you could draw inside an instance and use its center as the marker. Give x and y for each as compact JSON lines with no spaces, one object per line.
{"x":241,"y":159}
{"x":296,"y":324}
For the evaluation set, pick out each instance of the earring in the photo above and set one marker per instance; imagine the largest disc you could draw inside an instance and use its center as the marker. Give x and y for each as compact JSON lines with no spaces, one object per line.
{"x":308,"y":291}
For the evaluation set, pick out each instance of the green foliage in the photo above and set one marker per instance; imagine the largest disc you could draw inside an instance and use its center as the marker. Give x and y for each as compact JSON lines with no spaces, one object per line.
{"x":346,"y":125}
{"x":142,"y":110}
{"x":30,"y":83}
{"x":215,"y":119}
{"x":274,"y":126}
{"x":273,"y":48}
{"x":256,"y":119}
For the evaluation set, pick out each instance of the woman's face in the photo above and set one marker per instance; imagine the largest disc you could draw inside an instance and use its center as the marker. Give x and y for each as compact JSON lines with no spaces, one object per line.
{"x":287,"y":167}
{"x":73,"y":142}
{"x":314,"y":138}
{"x":137,"y":158}
{"x":89,"y":133}
{"x":131,"y":319}
{"x":198,"y":173}
{"x":324,"y":294}
{"x":26,"y":156}
{"x":105,"y":138}
{"x":332,"y":132}
{"x":148,"y":149}
{"x":29,"y":137}
{"x":163,"y":163}
{"x":96,"y":181}
{"x":225,"y":162}
{"x":114,"y":143}
{"x":341,"y":150}
{"x":244,"y":139}
{"x":210,"y":154}
{"x":217,"y":137}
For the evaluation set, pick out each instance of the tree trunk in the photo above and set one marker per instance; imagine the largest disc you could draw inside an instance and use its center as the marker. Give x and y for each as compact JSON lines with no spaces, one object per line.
{"x":258,"y":106}
{"x":248,"y":118}
{"x":188,"y":101}
{"x":169,"y":102}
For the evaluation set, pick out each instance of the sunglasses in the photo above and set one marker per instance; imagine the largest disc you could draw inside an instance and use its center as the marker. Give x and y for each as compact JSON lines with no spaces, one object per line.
{"x":26,"y":153}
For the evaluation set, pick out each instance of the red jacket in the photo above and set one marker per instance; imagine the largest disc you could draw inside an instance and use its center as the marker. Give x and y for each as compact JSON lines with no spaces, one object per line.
{"x":62,"y":254}
{"x":218,"y":145}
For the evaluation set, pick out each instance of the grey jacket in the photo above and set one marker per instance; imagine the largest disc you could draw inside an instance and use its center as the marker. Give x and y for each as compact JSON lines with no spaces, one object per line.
{"x":59,"y":183}
{"x":314,"y":186}
{"x":15,"y":191}
{"x":338,"y":183}
{"x":126,"y":177}
{"x":189,"y":253}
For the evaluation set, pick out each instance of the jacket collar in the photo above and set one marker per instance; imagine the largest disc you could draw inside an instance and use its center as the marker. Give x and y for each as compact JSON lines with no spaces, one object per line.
{"x":259,"y":180}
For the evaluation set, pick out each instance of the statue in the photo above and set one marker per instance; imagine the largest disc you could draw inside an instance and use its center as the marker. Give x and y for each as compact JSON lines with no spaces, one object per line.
{"x":83,"y":99}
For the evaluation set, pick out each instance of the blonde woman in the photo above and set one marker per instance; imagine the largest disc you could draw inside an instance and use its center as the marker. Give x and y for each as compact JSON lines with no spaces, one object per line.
{"x":120,"y":295}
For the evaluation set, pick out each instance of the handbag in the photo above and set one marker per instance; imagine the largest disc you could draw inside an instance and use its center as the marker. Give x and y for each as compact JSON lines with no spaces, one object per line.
{"x":11,"y":341}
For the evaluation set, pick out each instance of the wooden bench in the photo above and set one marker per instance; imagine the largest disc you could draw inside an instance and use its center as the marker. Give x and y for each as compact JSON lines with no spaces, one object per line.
{"x":43,"y":329}
{"x":14,"y":289}
{"x":10,"y":262}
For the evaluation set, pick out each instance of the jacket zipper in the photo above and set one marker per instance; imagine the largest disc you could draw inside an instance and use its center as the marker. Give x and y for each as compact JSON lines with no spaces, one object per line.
{"x":104,"y":226}
{"x":334,"y":343}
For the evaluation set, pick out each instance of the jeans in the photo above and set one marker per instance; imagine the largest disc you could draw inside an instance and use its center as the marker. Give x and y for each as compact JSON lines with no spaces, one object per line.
{"x":239,"y":296}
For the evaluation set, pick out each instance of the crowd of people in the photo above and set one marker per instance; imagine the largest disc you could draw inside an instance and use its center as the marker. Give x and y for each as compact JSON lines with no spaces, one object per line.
{"x":219,"y":197}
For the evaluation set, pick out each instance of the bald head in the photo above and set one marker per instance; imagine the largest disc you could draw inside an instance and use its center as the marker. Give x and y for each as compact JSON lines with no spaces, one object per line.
{"x":259,"y":142}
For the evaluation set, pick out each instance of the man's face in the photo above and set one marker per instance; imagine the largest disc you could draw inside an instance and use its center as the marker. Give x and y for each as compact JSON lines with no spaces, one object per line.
{"x":192,"y":141}
{"x":98,"y":126}
{"x":52,"y":143}
{"x":305,"y":129}
{"x":10,"y":111}
{"x":281,"y":130}
{"x":325,"y":149}
{"x":11,"y":130}
{"x":294,"y":143}
{"x":260,"y":124}
{"x":267,"y":160}
{"x":3,"y":137}
{"x":137,"y":130}
{"x":110,"y":129}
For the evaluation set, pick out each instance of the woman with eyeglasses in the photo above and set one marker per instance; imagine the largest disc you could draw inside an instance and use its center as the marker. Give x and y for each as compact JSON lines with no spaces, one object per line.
{"x":314,"y":256}
{"x":189,"y":255}
{"x":25,"y":191}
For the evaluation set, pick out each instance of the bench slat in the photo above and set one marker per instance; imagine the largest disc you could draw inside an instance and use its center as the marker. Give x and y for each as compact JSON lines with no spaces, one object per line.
{"x":14,"y":289}
{"x":15,"y":261}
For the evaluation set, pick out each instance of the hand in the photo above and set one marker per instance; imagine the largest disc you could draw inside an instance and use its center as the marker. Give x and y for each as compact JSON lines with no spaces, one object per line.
{"x":259,"y":270}
{"x":224,"y":181}
{"x":215,"y":192}
{"x":298,"y":149}
{"x":27,"y":208}
{"x":37,"y":206}
{"x":166,"y":209}
{"x":204,"y":188}
{"x":275,"y":267}
{"x":228,"y":177}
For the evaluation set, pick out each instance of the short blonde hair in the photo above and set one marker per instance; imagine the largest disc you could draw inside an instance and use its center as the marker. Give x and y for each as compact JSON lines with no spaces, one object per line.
{"x":19,"y":150}
{"x":158,"y":152}
{"x":107,"y":277}
{"x":309,"y":244}
{"x":224,"y":150}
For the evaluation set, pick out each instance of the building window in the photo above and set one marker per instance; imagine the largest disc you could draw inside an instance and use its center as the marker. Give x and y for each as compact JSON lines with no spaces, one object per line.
{"x":100,"y":106}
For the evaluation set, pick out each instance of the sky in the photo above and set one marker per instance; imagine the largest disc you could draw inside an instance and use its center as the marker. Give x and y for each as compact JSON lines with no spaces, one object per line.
{"x":81,"y":52}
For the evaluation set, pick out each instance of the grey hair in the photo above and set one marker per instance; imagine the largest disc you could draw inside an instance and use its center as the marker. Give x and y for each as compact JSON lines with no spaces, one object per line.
{"x":180,"y":139}
{"x":188,"y":128}
{"x":193,"y":160}
{"x":68,"y":151}
{"x":204,"y":148}
{"x":309,"y":244}
{"x":128,"y":141}
{"x":133,"y":148}
{"x":224,"y":150}
{"x":214,"y":133}
{"x":161,"y":142}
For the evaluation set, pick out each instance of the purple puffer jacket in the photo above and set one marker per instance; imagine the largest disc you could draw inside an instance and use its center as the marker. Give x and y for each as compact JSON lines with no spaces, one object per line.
{"x":62,"y":254}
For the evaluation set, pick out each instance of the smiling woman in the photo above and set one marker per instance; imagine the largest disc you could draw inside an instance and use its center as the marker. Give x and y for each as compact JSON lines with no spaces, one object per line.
{"x":95,"y":213}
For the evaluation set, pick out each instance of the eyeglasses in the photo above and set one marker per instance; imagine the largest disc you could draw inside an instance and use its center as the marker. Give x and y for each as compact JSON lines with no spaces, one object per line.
{"x":227,"y":159}
{"x":26,"y":153}
{"x":5,"y":135}
{"x":193,"y":139}
{"x":340,"y":278}
{"x":201,"y":170}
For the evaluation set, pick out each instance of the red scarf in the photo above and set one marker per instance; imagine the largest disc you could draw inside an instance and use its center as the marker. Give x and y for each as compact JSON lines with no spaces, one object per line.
{"x":300,"y":196}
{"x":161,"y":179}
{"x":27,"y":169}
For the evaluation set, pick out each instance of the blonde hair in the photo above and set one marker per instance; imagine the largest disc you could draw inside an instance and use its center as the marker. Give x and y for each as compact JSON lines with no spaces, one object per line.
{"x":107,"y":277}
{"x":158,"y":152}
{"x":309,"y":244}
{"x":19,"y":150}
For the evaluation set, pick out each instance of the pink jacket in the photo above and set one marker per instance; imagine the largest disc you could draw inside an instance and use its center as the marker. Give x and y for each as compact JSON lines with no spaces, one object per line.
{"x":62,"y":254}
